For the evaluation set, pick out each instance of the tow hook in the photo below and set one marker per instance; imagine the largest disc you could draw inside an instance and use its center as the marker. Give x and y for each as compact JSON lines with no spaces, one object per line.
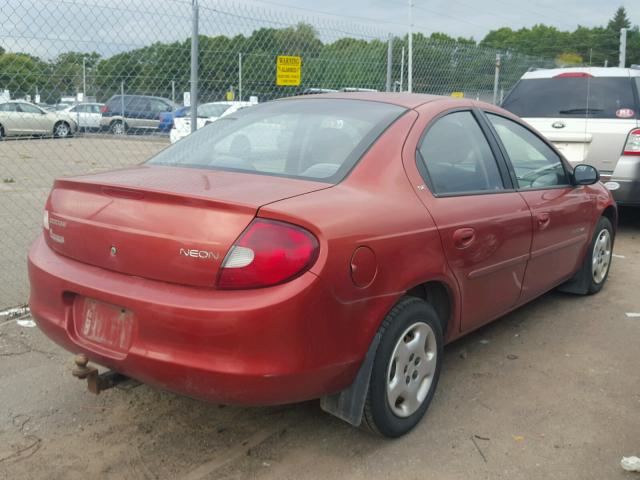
{"x":96,"y":382}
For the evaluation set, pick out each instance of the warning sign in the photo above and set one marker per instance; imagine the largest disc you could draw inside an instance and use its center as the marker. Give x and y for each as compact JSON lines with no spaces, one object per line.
{"x":457,"y":94}
{"x":288,"y":70}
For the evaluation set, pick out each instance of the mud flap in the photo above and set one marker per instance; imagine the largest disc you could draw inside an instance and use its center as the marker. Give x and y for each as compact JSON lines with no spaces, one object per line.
{"x":348,"y":405}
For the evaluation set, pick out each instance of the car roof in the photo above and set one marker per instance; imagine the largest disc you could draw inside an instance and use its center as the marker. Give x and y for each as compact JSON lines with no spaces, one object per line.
{"x":593,"y":71}
{"x":402,"y":99}
{"x":237,"y":102}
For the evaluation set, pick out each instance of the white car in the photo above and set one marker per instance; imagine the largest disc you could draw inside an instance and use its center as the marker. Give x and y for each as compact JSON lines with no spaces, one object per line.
{"x":592,"y":115}
{"x":207,"y":113}
{"x":86,"y":115}
{"x":18,"y":117}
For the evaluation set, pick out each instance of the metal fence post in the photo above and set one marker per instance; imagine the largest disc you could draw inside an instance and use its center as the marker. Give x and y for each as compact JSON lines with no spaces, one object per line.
{"x":173,"y":91}
{"x":402,"y":71}
{"x":240,"y":76}
{"x":124,"y":124}
{"x":194,"y":66}
{"x":496,"y":80}
{"x":410,"y":63}
{"x":389,"y":61}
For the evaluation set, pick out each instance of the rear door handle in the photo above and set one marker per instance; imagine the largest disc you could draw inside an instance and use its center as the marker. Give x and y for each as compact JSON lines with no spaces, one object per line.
{"x":543,"y":220}
{"x":463,"y":237}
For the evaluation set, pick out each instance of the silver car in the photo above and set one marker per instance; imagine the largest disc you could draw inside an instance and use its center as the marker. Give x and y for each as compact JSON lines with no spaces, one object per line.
{"x":19,"y":118}
{"x":592,"y":115}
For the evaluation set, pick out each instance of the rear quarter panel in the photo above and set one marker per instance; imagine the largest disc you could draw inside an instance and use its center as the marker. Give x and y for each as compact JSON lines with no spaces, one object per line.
{"x":375,"y":206}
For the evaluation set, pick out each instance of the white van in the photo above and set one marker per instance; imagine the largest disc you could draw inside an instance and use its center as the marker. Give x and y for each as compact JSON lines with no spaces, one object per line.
{"x":592,"y":115}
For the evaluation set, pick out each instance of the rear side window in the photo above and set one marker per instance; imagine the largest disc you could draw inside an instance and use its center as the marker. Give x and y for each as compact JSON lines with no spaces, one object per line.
{"x":318,"y":139}
{"x":458,"y":157}
{"x":536,"y":165}
{"x":579,"y":97}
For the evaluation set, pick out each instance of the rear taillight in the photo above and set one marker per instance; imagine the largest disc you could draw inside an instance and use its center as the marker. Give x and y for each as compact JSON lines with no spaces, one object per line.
{"x":632,"y":147}
{"x":268,"y":253}
{"x":104,"y":109}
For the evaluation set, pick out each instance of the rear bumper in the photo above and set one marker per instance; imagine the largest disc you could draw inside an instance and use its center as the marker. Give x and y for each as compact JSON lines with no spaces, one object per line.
{"x":624,"y":182}
{"x":276,"y":345}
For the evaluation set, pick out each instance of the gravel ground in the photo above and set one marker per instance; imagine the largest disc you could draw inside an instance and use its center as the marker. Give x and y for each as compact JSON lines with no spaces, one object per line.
{"x":550,"y":391}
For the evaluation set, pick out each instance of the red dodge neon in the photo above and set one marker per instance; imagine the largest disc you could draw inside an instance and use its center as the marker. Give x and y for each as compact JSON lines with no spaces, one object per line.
{"x":318,"y":247}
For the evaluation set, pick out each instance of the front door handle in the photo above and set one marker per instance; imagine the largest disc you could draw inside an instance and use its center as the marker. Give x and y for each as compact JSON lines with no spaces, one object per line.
{"x":463,"y":237}
{"x":544,"y":219}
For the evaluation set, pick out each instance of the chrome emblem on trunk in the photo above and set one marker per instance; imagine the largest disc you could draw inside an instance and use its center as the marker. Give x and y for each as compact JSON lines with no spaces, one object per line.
{"x":558,"y":124}
{"x":204,"y":254}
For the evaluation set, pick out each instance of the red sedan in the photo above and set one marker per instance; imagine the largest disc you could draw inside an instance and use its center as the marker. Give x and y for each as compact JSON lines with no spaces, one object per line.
{"x":318,"y":247}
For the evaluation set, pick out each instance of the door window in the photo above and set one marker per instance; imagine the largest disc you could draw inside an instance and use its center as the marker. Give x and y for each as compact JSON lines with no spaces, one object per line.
{"x":26,"y":108}
{"x":8,"y":107}
{"x":458,"y":157}
{"x":157,"y":106}
{"x":536,"y":165}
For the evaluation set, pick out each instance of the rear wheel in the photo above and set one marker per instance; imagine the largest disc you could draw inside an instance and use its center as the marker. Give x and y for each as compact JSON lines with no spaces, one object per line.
{"x":61,"y":130}
{"x":405,"y":370}
{"x":117,"y":127}
{"x":1,"y":132}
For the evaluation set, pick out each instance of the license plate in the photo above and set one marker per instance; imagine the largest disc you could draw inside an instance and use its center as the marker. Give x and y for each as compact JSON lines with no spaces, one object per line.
{"x":106,"y":325}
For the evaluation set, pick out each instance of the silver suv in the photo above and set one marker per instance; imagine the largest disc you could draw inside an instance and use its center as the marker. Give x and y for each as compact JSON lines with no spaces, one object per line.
{"x":592,"y":115}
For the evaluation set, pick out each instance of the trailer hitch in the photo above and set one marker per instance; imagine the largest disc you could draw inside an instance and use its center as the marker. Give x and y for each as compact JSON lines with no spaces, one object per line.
{"x":96,"y":382}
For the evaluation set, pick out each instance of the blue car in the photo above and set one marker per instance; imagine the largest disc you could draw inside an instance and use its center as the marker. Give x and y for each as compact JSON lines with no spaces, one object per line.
{"x":166,"y":118}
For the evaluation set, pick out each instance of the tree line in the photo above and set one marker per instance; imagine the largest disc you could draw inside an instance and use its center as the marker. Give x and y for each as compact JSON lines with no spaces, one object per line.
{"x":442,"y":64}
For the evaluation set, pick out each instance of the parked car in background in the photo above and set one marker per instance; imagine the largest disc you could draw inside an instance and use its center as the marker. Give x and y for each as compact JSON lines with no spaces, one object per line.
{"x":86,"y":115}
{"x":20,"y":118}
{"x":166,"y":118}
{"x":591,"y":115}
{"x":141,"y":113}
{"x":207,"y":113}
{"x":316,"y":247}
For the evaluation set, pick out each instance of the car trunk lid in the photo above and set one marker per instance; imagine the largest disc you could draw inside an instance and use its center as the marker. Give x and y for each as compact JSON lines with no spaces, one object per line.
{"x":164,"y":223}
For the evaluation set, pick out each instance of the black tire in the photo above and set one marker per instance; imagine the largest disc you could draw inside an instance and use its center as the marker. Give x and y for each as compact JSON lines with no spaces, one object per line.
{"x":378,"y":415}
{"x":1,"y":133}
{"x":118,"y":127}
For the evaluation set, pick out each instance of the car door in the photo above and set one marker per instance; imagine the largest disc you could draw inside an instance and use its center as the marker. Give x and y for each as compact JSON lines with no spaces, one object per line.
{"x":561,"y":211}
{"x":94,"y":116}
{"x":156,"y":107}
{"x":33,"y":120}
{"x":484,"y":224}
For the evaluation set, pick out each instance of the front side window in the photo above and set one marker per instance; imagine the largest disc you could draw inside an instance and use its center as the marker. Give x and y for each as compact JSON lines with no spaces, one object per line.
{"x":26,"y":108}
{"x":536,"y":165}
{"x":458,"y":157}
{"x":318,"y":139}
{"x":209,"y":110}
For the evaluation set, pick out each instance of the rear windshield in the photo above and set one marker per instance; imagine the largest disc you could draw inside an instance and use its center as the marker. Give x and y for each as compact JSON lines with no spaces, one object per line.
{"x":608,"y":97}
{"x":319,"y":139}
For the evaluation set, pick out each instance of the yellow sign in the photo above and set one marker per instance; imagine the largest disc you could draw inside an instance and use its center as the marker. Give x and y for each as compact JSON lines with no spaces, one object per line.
{"x":288,"y":70}
{"x":230,"y":96}
{"x":457,"y":94}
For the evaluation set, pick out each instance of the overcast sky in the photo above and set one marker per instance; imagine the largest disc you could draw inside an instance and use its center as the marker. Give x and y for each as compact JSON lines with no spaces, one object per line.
{"x":48,"y":27}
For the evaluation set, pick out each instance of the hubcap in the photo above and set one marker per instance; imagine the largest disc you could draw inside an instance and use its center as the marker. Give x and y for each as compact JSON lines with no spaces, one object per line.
{"x":411,"y":369}
{"x":601,"y":257}
{"x":62,"y":130}
{"x":118,"y":128}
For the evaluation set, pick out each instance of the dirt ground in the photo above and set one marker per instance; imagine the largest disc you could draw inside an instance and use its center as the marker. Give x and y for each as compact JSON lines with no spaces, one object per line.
{"x":550,"y":391}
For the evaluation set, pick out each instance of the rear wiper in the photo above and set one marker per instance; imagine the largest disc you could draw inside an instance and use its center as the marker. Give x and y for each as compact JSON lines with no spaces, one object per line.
{"x":580,"y":110}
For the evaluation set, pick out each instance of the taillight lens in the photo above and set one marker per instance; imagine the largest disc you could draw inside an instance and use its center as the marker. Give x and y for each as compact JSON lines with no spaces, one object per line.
{"x":104,"y":109}
{"x":268,"y":253}
{"x":632,"y":146}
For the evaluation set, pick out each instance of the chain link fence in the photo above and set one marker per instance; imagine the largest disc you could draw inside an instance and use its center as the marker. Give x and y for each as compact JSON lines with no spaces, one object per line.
{"x":95,"y":84}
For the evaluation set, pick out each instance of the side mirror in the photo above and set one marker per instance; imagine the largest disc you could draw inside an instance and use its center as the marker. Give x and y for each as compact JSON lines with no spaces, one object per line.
{"x":585,"y":175}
